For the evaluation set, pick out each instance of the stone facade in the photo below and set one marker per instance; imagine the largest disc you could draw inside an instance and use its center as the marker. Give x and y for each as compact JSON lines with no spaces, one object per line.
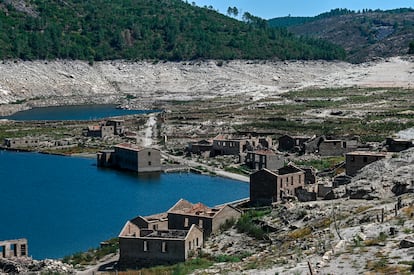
{"x":223,"y":145}
{"x":200,"y":147}
{"x":105,"y":129}
{"x":261,"y":159}
{"x":332,"y":148}
{"x":131,"y":157}
{"x":354,"y":161}
{"x":118,"y":126}
{"x":14,"y":248}
{"x":183,"y":214}
{"x":26,"y":142}
{"x":292,"y":143}
{"x":267,"y":186}
{"x":147,"y":247}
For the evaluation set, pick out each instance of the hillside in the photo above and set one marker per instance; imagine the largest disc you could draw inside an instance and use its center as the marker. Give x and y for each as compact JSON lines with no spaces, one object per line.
{"x":143,"y":29}
{"x":364,"y":35}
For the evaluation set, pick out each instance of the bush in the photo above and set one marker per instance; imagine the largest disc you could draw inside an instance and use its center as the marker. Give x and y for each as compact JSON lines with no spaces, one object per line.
{"x":246,"y":225}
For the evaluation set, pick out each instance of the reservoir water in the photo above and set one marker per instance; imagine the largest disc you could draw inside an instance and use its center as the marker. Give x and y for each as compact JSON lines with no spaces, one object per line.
{"x":64,"y":205}
{"x":77,"y":112}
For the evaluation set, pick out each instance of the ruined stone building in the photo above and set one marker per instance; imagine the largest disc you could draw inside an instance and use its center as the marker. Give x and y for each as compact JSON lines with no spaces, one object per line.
{"x":105,"y":129}
{"x":268,"y":186}
{"x":14,"y":248}
{"x":183,"y":214}
{"x":131,"y":157}
{"x":224,"y":145}
{"x":24,"y":142}
{"x":199,"y":147}
{"x":356,"y":160}
{"x":336,"y":147}
{"x":289,"y":143}
{"x":261,"y":159}
{"x":149,"y":247}
{"x":170,"y":237}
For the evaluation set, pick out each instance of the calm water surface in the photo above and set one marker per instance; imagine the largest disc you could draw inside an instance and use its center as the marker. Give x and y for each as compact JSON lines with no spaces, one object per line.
{"x":78,"y":112}
{"x":64,"y":205}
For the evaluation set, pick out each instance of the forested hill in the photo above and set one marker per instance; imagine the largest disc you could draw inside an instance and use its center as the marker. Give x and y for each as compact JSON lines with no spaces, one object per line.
{"x":363,"y":34}
{"x":143,"y":29}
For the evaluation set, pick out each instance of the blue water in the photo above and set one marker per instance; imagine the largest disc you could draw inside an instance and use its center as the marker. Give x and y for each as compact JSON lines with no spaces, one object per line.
{"x":64,"y":205}
{"x":77,"y":112}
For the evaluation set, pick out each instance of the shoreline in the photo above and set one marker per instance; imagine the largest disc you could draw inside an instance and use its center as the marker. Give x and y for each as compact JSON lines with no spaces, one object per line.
{"x":210,"y":171}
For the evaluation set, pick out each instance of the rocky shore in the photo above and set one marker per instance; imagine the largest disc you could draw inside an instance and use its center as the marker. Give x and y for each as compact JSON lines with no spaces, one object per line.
{"x":27,"y":84}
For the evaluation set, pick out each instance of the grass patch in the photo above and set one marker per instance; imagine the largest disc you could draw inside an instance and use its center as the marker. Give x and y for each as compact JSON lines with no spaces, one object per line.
{"x":362,"y":208}
{"x":229,"y":258}
{"x":300,"y":233}
{"x":408,"y":211}
{"x":247,"y":225}
{"x":227,"y":224}
{"x":92,"y":255}
{"x":376,"y":241}
{"x":323,"y":163}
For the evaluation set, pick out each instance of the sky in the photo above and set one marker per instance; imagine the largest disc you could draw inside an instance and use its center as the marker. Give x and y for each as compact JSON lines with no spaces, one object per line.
{"x":268,"y":9}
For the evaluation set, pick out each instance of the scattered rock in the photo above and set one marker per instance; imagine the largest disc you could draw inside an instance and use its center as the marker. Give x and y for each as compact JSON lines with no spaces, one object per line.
{"x":406,"y":243}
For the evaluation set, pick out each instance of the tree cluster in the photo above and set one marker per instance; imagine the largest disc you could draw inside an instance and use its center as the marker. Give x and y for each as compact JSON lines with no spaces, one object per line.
{"x":144,"y":29}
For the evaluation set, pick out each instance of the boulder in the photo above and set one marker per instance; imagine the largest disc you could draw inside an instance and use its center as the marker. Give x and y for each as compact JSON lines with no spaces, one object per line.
{"x":406,"y":243}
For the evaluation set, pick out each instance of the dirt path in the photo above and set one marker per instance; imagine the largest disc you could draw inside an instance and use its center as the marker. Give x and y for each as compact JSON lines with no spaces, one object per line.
{"x":147,"y":140}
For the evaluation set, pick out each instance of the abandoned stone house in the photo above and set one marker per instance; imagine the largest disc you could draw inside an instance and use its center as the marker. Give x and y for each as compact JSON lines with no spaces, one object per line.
{"x":289,"y":143}
{"x":336,"y":147}
{"x":170,"y":237}
{"x":131,"y":157}
{"x":105,"y":129}
{"x":261,"y":159}
{"x":149,"y":247}
{"x":24,"y":142}
{"x":118,"y":125}
{"x":268,"y":186}
{"x":183,"y":214}
{"x":356,"y":160}
{"x":199,"y":147}
{"x":225,"y":145}
{"x":13,"y":248}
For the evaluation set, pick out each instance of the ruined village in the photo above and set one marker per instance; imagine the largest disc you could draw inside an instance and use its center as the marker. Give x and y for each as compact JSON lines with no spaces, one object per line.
{"x":319,"y":203}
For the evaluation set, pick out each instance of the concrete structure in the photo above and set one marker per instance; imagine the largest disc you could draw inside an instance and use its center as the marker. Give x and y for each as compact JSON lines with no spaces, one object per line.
{"x":24,"y":142}
{"x":354,"y":161}
{"x":292,"y":143}
{"x":148,"y":247}
{"x":14,"y":248}
{"x":131,"y":157}
{"x":267,"y":186}
{"x":183,"y":214}
{"x":264,"y":159}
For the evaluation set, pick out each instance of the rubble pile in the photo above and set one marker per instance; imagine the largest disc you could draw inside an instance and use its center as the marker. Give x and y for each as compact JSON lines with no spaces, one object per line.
{"x":384,"y":178}
{"x":27,"y":265}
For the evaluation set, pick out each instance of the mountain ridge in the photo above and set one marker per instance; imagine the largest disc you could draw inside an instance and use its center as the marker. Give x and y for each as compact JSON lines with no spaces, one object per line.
{"x":364,"y":35}
{"x":143,"y":30}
